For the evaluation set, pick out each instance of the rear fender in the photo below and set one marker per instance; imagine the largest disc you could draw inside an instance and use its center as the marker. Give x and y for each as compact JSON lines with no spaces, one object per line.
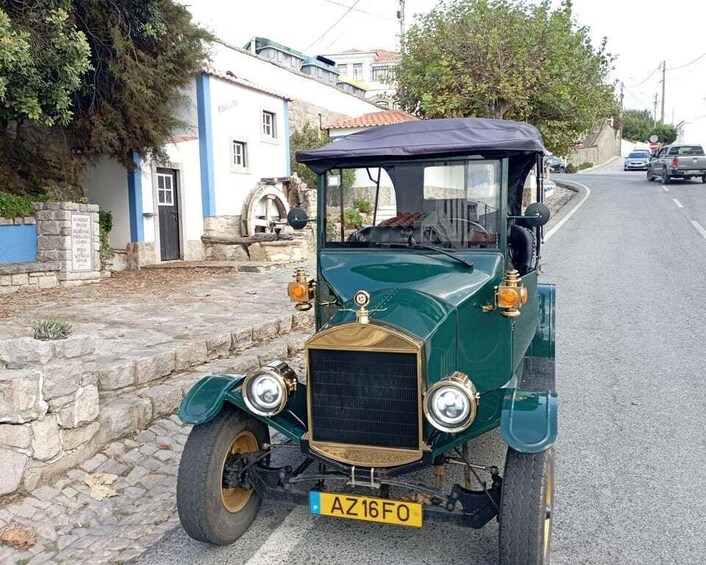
{"x":529,"y":420}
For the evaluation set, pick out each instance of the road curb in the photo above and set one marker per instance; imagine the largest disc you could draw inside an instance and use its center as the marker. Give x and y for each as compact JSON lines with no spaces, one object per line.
{"x":567,"y":210}
{"x":608,"y":162}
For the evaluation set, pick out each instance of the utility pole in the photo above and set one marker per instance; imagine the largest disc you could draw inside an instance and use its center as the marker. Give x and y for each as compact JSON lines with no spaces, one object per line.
{"x":654,"y":113}
{"x":400,"y":17}
{"x":622,"y":97}
{"x":664,"y":84}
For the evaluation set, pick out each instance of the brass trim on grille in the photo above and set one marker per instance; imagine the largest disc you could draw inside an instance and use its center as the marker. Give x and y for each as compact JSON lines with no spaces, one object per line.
{"x":366,"y":337}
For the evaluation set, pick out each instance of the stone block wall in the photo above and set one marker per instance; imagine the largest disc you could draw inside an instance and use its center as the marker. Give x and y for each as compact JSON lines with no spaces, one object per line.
{"x":60,"y":405}
{"x":48,"y":406}
{"x":68,"y":235}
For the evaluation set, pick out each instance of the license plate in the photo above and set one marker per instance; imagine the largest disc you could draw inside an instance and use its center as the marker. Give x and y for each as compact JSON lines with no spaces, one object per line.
{"x":694,"y":172}
{"x":365,"y":508}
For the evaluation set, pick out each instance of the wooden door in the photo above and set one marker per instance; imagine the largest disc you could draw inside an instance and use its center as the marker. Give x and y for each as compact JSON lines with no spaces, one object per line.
{"x":168,"y":200}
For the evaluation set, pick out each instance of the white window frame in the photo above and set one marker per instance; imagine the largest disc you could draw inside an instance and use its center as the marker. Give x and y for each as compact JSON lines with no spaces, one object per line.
{"x":164,"y":190}
{"x":343,"y":70}
{"x":235,"y":167}
{"x":359,"y":66}
{"x":273,"y":135}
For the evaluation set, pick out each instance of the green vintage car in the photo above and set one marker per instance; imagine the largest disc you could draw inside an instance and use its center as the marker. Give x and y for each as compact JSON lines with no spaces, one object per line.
{"x":431,"y":330}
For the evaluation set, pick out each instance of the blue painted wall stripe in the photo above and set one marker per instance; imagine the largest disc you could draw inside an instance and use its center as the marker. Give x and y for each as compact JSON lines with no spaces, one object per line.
{"x":134,"y":200}
{"x":203,"y":103}
{"x":287,"y":157}
{"x":18,"y":244}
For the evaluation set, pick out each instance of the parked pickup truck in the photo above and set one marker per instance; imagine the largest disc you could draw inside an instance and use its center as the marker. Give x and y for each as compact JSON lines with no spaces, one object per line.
{"x":678,"y":161}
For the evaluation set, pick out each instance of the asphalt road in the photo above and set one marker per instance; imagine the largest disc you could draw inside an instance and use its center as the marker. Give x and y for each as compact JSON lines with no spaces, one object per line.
{"x":630,"y":269}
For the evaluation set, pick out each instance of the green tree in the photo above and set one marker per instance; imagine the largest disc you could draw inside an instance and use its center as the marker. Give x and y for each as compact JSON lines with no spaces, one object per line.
{"x":143,"y":52}
{"x":86,"y":78}
{"x":311,"y":137}
{"x":637,"y":125}
{"x":507,"y":59}
{"x":666,"y":133}
{"x":307,"y":137}
{"x":43,"y":57}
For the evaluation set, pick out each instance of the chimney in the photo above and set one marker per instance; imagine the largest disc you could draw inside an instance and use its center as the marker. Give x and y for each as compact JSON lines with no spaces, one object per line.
{"x":253,"y":45}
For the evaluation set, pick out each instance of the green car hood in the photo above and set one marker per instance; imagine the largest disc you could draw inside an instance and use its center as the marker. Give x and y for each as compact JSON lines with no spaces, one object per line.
{"x":428,"y":273}
{"x":421,"y":294}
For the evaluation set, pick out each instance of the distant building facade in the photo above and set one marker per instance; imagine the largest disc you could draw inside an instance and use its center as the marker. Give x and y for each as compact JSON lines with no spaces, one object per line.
{"x":373,"y":69}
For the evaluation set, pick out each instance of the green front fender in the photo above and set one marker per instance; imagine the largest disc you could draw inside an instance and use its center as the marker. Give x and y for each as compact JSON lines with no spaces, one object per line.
{"x":205,"y":400}
{"x":529,"y":420}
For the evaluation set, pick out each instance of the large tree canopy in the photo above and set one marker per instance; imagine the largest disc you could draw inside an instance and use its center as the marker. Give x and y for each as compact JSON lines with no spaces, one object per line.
{"x":507,"y":59}
{"x":89,"y":78}
{"x":639,"y":125}
{"x":43,"y":58}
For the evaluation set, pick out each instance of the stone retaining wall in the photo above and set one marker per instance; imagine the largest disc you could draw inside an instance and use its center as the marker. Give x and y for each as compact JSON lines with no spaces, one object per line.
{"x":48,"y":403}
{"x":59,"y":406}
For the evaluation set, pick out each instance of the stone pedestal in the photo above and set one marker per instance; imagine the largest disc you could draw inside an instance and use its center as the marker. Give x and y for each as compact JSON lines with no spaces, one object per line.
{"x":67,"y":234}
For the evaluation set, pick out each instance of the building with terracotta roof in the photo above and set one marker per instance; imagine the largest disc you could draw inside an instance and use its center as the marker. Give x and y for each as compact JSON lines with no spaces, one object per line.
{"x":353,"y":125}
{"x":375,"y":68}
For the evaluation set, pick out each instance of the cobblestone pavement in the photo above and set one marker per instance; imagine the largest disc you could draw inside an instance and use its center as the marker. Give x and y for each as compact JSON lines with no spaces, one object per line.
{"x":73,"y":527}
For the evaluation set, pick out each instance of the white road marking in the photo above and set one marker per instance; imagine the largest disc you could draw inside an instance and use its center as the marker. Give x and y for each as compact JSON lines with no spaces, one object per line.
{"x":699,"y":228}
{"x":665,"y":188}
{"x":677,"y":203}
{"x":282,"y":541}
{"x":565,"y":219}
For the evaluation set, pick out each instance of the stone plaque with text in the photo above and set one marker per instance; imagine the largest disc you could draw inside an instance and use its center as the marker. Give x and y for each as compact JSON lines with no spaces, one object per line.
{"x":81,"y":242}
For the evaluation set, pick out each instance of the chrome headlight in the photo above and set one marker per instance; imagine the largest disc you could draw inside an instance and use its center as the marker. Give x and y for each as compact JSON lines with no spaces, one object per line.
{"x":267,"y":390}
{"x":451,"y":404}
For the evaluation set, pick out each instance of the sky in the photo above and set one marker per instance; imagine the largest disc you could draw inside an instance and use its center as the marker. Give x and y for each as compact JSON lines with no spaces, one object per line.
{"x":640,"y":33}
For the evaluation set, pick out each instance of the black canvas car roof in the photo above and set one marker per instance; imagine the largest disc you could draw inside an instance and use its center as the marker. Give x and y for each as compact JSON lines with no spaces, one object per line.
{"x":448,"y":137}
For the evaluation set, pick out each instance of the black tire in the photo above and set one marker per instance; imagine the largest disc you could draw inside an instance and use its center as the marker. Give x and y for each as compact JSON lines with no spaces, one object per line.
{"x":200,"y":502}
{"x":650,"y":176}
{"x":703,"y":179}
{"x":526,"y":507}
{"x":666,"y":179}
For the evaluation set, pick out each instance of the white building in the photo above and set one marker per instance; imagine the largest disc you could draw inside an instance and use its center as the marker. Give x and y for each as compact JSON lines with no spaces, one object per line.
{"x":374,"y":68}
{"x":237,"y":134}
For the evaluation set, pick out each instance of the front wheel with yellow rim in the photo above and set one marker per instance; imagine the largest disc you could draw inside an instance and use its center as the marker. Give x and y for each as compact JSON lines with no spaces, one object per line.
{"x":525,"y":513}
{"x":215,"y":501}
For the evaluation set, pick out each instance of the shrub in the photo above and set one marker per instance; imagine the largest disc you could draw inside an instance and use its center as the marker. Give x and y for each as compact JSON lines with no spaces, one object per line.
{"x":105,"y":226}
{"x":331,"y":232}
{"x":49,"y":330}
{"x":352,"y":219}
{"x":12,"y":206}
{"x":362,"y":205}
{"x":571,"y":168}
{"x":585,"y":165}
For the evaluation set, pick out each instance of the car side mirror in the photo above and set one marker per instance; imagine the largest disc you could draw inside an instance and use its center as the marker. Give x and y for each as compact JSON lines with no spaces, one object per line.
{"x":536,"y":214}
{"x":297,"y":218}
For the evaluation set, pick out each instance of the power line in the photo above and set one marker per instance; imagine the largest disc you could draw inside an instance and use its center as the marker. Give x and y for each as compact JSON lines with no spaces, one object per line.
{"x":348,"y":11}
{"x":648,"y":78}
{"x":688,"y":64}
{"x":647,"y":106}
{"x":361,"y":11}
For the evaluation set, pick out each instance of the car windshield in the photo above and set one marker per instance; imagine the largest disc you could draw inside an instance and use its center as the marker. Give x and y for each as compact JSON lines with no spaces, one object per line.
{"x":450,"y":205}
{"x":639,"y":155}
